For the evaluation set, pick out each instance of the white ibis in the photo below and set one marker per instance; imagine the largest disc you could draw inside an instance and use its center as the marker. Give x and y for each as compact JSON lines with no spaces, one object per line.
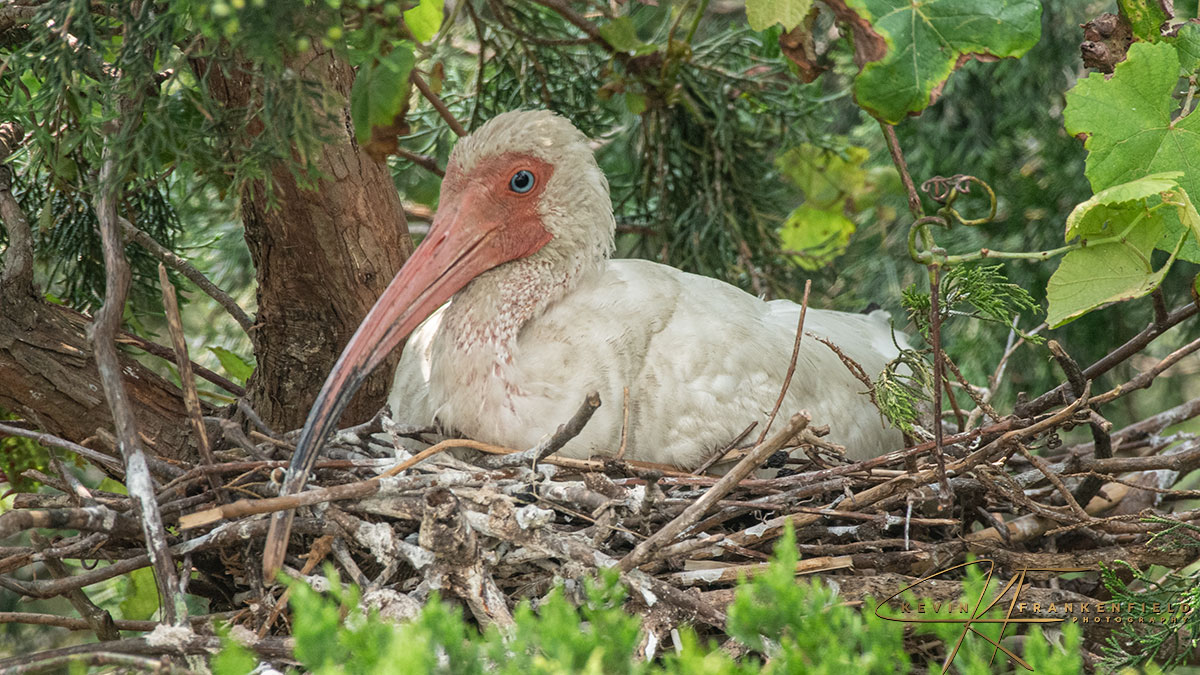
{"x":538,"y":317}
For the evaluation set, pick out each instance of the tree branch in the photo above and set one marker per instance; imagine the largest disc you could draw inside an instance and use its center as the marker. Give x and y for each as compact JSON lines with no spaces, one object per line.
{"x":17,"y":281}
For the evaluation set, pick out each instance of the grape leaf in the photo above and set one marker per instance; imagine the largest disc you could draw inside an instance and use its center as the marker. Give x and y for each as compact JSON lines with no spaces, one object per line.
{"x":425,"y":19}
{"x":814,"y":236}
{"x":1094,"y":276}
{"x":825,"y":177}
{"x":141,"y":595}
{"x":1130,"y":131}
{"x":235,"y":366}
{"x":380,"y":91}
{"x":1145,"y":16}
{"x":1187,"y":43}
{"x":928,"y":39}
{"x":1088,"y":217}
{"x":762,"y":14}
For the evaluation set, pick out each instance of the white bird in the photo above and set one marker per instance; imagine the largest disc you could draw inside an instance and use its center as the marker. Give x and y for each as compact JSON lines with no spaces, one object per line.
{"x":539,"y":316}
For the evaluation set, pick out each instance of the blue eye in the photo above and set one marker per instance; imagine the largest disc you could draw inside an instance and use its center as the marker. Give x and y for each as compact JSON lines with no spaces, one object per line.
{"x":521,"y":182}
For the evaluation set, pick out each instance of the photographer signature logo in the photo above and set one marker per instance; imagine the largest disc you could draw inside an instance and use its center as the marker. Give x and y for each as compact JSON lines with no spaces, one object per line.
{"x":976,"y":615}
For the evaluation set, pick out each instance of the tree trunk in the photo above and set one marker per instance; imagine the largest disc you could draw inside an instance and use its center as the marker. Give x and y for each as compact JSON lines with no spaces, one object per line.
{"x":48,"y":375}
{"x":322,"y":257}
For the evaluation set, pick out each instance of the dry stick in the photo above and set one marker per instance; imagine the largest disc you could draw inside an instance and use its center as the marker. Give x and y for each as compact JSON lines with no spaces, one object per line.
{"x":582,"y":24}
{"x":643,"y":551}
{"x":939,"y":372}
{"x":571,"y":429}
{"x":437,"y":103}
{"x":624,"y":423}
{"x":50,"y":439}
{"x":191,"y":399}
{"x":166,"y":354}
{"x":1101,"y":441}
{"x":103,"y":333}
{"x":17,"y":280}
{"x":424,"y":161}
{"x":914,"y":199}
{"x":1145,"y":378}
{"x":99,"y":620}
{"x":720,"y":454}
{"x":1117,"y":356}
{"x":185,"y":268}
{"x":771,"y":528}
{"x":71,"y":623}
{"x":787,"y":379}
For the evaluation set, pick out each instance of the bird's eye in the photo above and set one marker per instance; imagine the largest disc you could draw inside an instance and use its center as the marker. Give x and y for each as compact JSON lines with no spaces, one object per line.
{"x":521,"y":182}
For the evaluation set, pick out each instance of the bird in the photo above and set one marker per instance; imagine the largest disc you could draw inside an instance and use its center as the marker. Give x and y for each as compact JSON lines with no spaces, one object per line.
{"x":514,"y":311}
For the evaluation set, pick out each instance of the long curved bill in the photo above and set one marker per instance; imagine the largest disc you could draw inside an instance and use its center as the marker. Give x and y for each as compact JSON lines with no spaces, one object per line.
{"x":460,"y":246}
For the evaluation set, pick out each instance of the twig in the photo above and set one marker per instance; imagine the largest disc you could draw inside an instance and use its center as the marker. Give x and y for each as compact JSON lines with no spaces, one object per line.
{"x":191,"y":399}
{"x":787,"y":379}
{"x":716,"y":457}
{"x":1117,"y":356}
{"x":55,"y":441}
{"x":579,"y":22}
{"x":914,"y":198}
{"x":71,"y":623}
{"x":624,"y":423}
{"x":569,"y":430}
{"x":437,"y":103}
{"x":99,"y":620}
{"x":424,"y":161}
{"x":643,"y":551}
{"x":946,"y":500}
{"x":103,"y":332}
{"x":185,"y":268}
{"x":162,"y":352}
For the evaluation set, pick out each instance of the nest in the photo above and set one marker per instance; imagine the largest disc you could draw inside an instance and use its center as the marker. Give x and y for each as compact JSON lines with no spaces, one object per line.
{"x":488,"y":526}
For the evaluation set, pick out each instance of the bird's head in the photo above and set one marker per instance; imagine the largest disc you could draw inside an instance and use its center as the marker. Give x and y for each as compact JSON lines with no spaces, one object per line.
{"x":524,"y":186}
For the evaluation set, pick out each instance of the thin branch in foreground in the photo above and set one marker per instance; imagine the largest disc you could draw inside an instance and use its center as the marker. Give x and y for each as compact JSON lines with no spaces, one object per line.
{"x":437,"y":103}
{"x":787,"y":379}
{"x":191,"y":273}
{"x":103,"y":333}
{"x":191,"y":398}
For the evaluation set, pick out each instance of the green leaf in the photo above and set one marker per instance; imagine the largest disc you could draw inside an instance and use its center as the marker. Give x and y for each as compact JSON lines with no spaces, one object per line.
{"x":141,"y":595}
{"x":380,"y":91}
{"x":818,"y":235}
{"x":1186,"y":223}
{"x":635,"y":102}
{"x":235,"y":366}
{"x":825,"y":177}
{"x":762,"y":14}
{"x":1094,"y":276}
{"x":1146,"y":16}
{"x":1128,"y":120}
{"x":927,"y":39}
{"x":621,"y":35}
{"x":1089,"y":216}
{"x":425,"y":19}
{"x":1187,"y":44}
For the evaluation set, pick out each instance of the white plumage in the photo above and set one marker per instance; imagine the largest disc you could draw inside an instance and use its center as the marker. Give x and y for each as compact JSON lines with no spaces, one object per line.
{"x":702,"y":359}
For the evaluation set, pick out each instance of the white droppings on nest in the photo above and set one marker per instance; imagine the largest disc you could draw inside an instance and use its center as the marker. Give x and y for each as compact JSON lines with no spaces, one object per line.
{"x":893,"y":519}
{"x":757,"y":530}
{"x":379,"y":538}
{"x":451,"y":478}
{"x":318,"y":583}
{"x":648,"y":597}
{"x":531,"y":517}
{"x":636,"y":498}
{"x":651,"y":645}
{"x":392,"y":605}
{"x":164,"y":635}
{"x":110,"y":519}
{"x":242,"y":635}
{"x":845,"y":530}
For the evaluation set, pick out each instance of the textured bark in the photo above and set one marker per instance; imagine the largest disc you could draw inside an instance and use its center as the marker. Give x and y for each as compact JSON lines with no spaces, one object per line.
{"x":48,"y":375}
{"x":322,"y":257}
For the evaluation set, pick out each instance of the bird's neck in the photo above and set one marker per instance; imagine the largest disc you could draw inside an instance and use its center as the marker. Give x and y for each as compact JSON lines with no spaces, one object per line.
{"x":489,"y":313}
